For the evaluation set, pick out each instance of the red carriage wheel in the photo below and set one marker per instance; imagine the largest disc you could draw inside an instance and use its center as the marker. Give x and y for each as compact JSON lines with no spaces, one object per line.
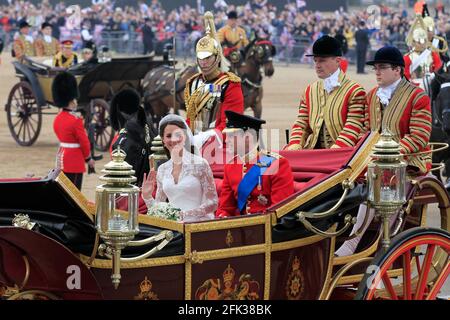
{"x":23,"y":113}
{"x":104,"y":133}
{"x":423,"y":254}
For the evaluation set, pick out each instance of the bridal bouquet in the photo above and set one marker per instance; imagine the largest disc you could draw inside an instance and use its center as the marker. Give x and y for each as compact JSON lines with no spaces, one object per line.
{"x":164,"y":210}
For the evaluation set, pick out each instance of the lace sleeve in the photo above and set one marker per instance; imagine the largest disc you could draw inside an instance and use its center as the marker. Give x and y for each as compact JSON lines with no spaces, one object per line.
{"x":209,"y":197}
{"x":160,"y":195}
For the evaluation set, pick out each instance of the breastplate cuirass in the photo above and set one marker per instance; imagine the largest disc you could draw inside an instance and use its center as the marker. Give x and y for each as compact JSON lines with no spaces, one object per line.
{"x":208,"y":113}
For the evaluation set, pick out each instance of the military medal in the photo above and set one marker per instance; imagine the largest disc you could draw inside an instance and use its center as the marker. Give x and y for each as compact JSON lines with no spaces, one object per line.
{"x":263,"y":200}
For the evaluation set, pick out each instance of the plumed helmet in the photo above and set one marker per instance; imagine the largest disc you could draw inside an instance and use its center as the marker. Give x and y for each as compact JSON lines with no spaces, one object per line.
{"x":64,"y":89}
{"x":429,"y":23}
{"x":124,"y":105}
{"x":417,"y":32}
{"x":420,"y":36}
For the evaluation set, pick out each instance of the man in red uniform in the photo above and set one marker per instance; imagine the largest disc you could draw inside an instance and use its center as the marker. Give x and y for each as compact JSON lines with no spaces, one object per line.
{"x":253,"y":180}
{"x":404,"y":110}
{"x":421,"y":62}
{"x":331,"y":111}
{"x":211,"y":92}
{"x":74,"y":148}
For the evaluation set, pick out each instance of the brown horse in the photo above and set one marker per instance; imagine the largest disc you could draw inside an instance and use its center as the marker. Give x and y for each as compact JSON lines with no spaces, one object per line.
{"x":163,"y":93}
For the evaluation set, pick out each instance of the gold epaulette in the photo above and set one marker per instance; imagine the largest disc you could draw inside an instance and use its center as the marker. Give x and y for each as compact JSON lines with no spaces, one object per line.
{"x":232,"y":77}
{"x":187,"y":88}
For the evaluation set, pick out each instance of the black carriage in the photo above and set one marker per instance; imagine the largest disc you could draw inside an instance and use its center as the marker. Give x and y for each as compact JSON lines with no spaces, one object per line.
{"x":31,"y":97}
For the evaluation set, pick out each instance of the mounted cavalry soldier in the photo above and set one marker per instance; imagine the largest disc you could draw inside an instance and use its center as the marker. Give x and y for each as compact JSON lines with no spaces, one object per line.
{"x":23,"y":45}
{"x":211,"y":92}
{"x":331,"y":112}
{"x":422,"y":61}
{"x":46,"y":45}
{"x":254,"y":179}
{"x":232,"y":38}
{"x":438,"y":44}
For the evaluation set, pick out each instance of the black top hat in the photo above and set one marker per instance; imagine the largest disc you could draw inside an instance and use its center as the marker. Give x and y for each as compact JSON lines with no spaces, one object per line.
{"x":124,"y":104}
{"x":326,"y":46}
{"x":388,"y":54}
{"x":241,"y":121}
{"x":232,"y":15}
{"x":90,"y":45}
{"x":64,"y":89}
{"x":45,"y":25}
{"x":23,"y":24}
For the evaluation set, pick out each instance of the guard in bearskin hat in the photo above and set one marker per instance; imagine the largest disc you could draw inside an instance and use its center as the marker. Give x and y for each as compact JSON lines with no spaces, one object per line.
{"x":74,"y":148}
{"x":404,"y":110}
{"x":331,"y":112}
{"x":211,"y":92}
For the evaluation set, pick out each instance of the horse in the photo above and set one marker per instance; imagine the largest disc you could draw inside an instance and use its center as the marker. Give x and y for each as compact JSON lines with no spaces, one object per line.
{"x":163,"y":93}
{"x":440,"y":103}
{"x":135,"y":140}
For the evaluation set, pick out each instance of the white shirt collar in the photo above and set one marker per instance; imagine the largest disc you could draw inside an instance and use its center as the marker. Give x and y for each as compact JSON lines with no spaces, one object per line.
{"x":48,"y":39}
{"x":332,"y":81}
{"x":385,"y":94}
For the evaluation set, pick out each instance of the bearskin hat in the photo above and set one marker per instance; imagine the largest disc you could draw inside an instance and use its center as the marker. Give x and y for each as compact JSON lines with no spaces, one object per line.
{"x":124,"y":105}
{"x":64,"y":89}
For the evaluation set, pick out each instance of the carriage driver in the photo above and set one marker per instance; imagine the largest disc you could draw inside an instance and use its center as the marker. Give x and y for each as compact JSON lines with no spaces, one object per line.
{"x":23,"y":45}
{"x":254,"y":179}
{"x":74,"y":148}
{"x":46,"y":45}
{"x":404,"y":110}
{"x":211,"y":92}
{"x":331,"y":109}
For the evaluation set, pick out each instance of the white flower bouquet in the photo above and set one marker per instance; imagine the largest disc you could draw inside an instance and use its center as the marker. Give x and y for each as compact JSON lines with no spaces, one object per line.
{"x":165,"y":210}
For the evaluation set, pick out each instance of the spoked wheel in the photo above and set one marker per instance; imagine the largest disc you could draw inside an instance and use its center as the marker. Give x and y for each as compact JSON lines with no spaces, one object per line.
{"x":23,"y":114}
{"x":104,"y":133}
{"x":423,"y":254}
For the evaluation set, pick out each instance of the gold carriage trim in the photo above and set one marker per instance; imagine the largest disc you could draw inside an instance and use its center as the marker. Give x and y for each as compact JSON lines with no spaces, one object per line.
{"x":146,"y":291}
{"x":294,"y":284}
{"x":75,"y":194}
{"x":230,"y":288}
{"x":146,"y":263}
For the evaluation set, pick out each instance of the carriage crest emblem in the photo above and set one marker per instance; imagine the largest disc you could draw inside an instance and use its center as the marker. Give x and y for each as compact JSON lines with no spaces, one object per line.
{"x":294,"y":285}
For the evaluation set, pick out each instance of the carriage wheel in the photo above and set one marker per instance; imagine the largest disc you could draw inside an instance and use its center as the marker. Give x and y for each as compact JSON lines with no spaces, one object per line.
{"x":34,"y":295}
{"x":24,"y":114}
{"x":423,"y":254}
{"x":104,"y":133}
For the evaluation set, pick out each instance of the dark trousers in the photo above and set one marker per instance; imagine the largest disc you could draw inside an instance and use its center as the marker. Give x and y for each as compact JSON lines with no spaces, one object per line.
{"x":76,"y":178}
{"x":148,"y":47}
{"x":360,"y":59}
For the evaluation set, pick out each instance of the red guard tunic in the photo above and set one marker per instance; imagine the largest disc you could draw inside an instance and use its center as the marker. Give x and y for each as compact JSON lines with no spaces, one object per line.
{"x":74,"y":142}
{"x":434,"y":66}
{"x":197,"y":99}
{"x":276,"y":185}
{"x":408,"y":118}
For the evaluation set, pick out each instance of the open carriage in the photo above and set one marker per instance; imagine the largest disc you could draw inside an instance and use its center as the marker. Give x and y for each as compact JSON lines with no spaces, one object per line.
{"x":31,"y":97}
{"x":279,"y":254}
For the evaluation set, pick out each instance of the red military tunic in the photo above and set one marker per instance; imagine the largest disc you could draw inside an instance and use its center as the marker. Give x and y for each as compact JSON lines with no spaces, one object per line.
{"x":75,"y":146}
{"x":277,"y":184}
{"x":407,"y":117}
{"x":195,"y":99}
{"x":434,"y":66}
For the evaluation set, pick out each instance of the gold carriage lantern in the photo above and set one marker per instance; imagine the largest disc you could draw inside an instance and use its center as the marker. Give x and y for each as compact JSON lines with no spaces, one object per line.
{"x":387,"y":181}
{"x":117,"y":227}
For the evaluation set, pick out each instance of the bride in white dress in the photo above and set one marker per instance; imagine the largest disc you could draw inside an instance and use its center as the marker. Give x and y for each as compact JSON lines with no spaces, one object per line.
{"x":186,"y":180}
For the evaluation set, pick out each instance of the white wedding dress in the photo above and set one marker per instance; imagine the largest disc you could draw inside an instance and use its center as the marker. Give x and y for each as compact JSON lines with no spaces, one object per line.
{"x":195,"y":193}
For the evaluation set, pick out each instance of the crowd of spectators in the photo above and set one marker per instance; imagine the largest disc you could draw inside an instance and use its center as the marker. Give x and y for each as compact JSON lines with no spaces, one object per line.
{"x":291,"y":28}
